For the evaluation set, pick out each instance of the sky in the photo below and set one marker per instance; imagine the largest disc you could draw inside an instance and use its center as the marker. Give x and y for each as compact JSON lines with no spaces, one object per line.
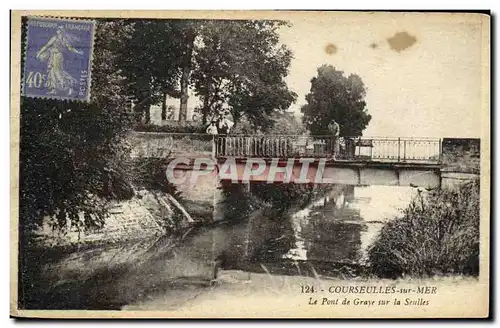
{"x":430,"y":89}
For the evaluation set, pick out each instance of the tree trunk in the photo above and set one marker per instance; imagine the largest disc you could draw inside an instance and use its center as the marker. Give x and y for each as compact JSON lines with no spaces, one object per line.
{"x":147,"y":114}
{"x":164,"y":106}
{"x":186,"y":72}
{"x":143,"y":106}
{"x":204,"y":111}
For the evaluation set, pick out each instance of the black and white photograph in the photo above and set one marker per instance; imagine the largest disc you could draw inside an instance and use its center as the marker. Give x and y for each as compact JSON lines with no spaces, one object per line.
{"x":251,"y":164}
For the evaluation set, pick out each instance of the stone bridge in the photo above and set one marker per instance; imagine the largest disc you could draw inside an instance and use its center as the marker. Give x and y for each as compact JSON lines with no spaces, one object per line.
{"x":420,"y":162}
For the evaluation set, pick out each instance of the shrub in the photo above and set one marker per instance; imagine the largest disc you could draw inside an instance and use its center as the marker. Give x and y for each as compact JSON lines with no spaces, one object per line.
{"x":438,"y":233}
{"x":171,"y":128}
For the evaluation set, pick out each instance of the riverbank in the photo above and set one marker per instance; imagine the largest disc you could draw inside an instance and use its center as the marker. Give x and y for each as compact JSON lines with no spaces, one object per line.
{"x":328,"y":238}
{"x":108,"y":276}
{"x":88,"y":269}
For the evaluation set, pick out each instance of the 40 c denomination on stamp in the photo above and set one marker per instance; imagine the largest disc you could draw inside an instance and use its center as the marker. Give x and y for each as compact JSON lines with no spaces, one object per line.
{"x":58,"y":58}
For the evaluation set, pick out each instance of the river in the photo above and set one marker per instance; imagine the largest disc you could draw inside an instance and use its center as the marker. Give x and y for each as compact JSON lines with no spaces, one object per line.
{"x":327,"y":233}
{"x":328,"y":237}
{"x":334,"y":229}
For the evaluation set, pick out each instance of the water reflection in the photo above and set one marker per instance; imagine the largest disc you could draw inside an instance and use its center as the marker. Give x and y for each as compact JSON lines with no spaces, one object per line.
{"x":340,"y":226}
{"x":335,"y":228}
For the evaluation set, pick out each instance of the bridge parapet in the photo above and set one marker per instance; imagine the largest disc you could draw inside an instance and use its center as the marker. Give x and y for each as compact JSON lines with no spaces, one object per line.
{"x":344,"y":148}
{"x":160,"y":145}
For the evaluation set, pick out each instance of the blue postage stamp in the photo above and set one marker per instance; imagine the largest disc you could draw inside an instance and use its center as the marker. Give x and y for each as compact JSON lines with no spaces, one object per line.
{"x":58,"y":58}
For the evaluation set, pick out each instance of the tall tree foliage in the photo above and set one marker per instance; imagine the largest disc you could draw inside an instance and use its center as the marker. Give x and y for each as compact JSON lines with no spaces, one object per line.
{"x":235,"y":65}
{"x":283,"y":123}
{"x":152,"y":62}
{"x":189,"y":30}
{"x":240,"y":65}
{"x":335,"y":96}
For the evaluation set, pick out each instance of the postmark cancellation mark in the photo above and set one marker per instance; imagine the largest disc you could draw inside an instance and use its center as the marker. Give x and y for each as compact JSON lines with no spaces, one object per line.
{"x":58,"y":58}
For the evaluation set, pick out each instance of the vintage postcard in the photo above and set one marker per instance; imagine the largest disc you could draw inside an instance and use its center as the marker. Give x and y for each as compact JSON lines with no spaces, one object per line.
{"x":250,"y":164}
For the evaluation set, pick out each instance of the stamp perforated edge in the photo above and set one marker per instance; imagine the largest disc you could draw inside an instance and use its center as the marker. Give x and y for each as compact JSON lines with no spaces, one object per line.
{"x":91,"y":54}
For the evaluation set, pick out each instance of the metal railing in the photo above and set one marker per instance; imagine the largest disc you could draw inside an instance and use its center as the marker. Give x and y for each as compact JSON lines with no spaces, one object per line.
{"x":272,"y":146}
{"x":401,"y":149}
{"x":344,"y":148}
{"x":151,"y":144}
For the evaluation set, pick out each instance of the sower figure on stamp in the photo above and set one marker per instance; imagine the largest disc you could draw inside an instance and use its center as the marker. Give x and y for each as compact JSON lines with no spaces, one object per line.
{"x":334,"y":129}
{"x":53,"y":53}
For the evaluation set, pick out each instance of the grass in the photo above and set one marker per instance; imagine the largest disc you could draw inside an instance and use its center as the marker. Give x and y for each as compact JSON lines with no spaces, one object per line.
{"x":438,"y":234}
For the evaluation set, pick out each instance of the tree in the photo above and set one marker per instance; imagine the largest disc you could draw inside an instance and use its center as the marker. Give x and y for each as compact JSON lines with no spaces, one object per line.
{"x":240,"y":66}
{"x":152,"y":62}
{"x":280,"y":124}
{"x":236,"y":65}
{"x":334,"y":96}
{"x":73,"y":157}
{"x":189,"y":31}
{"x":72,"y":154}
{"x":286,"y":124}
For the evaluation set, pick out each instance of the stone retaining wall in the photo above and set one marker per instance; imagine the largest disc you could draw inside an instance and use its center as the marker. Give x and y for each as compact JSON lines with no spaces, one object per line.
{"x":461,"y":155}
{"x":143,"y":216}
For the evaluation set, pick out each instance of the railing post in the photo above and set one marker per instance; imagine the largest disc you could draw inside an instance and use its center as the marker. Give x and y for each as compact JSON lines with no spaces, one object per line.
{"x":404,"y":150}
{"x":399,"y":148}
{"x":440,"y":158}
{"x":214,"y":151}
